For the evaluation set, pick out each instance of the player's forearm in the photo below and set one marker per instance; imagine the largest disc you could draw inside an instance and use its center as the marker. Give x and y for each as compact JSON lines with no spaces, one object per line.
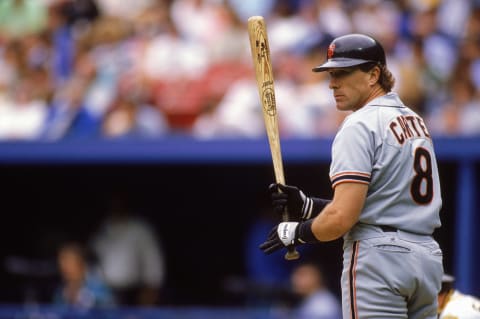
{"x":339,"y":216}
{"x":332,"y":223}
{"x":318,"y":204}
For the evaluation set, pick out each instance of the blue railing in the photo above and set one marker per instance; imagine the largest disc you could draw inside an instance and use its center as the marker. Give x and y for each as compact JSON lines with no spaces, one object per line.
{"x":52,"y":312}
{"x":188,"y":150}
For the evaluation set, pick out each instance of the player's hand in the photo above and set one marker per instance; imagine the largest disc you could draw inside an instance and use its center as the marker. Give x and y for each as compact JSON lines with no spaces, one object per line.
{"x":290,"y":197}
{"x":283,"y":235}
{"x":299,"y":206}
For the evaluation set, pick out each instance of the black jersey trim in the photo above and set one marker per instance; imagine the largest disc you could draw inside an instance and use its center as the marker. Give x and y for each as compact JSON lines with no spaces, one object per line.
{"x":351,"y":177}
{"x":352,"y":278}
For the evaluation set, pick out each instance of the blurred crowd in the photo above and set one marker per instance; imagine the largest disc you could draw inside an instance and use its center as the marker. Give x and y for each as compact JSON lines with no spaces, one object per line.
{"x":156,"y":68}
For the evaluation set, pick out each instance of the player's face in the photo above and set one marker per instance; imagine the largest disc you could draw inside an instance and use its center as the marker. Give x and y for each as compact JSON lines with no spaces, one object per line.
{"x":351,"y":88}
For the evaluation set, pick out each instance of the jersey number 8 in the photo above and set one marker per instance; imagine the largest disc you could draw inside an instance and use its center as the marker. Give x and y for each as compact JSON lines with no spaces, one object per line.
{"x":422,"y":165}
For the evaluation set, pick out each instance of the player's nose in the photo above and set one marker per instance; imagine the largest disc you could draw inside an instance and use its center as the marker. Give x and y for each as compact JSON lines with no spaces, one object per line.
{"x":333,"y":83}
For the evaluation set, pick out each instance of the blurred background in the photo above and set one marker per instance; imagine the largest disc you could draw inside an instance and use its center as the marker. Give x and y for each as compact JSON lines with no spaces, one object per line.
{"x":133,"y":159}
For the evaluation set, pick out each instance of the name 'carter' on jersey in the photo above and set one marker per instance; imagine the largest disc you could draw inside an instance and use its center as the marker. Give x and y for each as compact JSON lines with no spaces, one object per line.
{"x":387,"y":146}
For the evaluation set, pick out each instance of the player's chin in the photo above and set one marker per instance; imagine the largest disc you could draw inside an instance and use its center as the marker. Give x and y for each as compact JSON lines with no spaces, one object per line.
{"x":341,"y":106}
{"x":344,"y":104}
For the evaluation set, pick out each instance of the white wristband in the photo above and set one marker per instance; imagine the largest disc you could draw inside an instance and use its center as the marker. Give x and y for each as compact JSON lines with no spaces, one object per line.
{"x":307,"y":207}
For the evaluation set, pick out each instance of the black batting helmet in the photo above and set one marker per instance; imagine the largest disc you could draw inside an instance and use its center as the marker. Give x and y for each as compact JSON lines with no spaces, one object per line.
{"x":350,"y":50}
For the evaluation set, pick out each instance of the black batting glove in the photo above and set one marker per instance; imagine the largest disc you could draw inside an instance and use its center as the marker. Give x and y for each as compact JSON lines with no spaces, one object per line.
{"x":299,"y":206}
{"x":288,"y":234}
{"x":287,"y":197}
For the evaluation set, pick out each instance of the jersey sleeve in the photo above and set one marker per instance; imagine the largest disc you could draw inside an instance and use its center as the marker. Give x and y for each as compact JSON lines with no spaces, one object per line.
{"x":352,"y":155}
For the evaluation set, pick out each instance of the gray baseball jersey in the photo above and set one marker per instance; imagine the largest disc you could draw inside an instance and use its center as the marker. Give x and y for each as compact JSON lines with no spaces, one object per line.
{"x":390,"y":272}
{"x":387,"y":146}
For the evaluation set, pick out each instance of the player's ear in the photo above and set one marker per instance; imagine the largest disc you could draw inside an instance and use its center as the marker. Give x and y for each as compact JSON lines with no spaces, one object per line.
{"x":373,"y":75}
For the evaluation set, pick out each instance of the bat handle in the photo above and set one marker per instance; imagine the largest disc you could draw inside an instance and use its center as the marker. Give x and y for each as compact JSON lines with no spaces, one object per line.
{"x":292,"y":253}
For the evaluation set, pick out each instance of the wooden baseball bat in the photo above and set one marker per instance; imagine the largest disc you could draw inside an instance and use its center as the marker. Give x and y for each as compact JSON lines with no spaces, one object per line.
{"x":259,"y":45}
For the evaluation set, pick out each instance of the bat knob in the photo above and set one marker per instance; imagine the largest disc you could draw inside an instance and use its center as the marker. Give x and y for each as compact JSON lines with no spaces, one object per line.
{"x":292,"y":254}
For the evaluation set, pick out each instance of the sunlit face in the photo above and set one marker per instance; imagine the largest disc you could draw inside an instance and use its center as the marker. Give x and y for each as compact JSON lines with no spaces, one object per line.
{"x":352,"y":88}
{"x":72,"y":265}
{"x":306,"y":280}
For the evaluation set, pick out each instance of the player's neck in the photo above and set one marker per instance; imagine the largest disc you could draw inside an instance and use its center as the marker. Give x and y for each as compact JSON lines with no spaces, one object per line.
{"x":376,"y":91}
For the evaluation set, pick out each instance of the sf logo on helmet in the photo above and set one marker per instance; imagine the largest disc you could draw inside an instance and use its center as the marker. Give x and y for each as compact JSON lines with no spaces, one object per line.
{"x":331,"y":49}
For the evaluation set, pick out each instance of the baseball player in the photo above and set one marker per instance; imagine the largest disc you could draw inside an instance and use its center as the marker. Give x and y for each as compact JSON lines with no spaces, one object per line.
{"x":386,"y":198}
{"x":452,"y":304}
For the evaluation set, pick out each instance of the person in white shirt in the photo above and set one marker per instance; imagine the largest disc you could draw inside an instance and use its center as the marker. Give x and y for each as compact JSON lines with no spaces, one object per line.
{"x":452,"y":304}
{"x":130,"y":256}
{"x":317,"y":301}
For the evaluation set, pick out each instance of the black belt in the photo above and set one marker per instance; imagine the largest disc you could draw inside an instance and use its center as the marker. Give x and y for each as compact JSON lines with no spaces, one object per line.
{"x":388,"y":229}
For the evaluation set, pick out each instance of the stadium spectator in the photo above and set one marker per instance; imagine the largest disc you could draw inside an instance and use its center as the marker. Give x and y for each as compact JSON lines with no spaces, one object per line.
{"x":314,"y":113}
{"x":129,"y":117}
{"x":454,"y":304}
{"x":130,"y":256}
{"x":459,"y":113}
{"x":247,"y":8}
{"x":68,"y":117}
{"x":62,"y":29}
{"x":316,"y":300}
{"x":22,"y":18}
{"x":22,"y":113}
{"x":78,"y":13}
{"x":125,"y":10}
{"x":238,"y":106}
{"x":333,"y":16}
{"x":81,"y":288}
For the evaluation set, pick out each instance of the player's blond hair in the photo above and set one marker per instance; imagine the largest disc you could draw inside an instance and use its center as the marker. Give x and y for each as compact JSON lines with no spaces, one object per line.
{"x":386,"y":79}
